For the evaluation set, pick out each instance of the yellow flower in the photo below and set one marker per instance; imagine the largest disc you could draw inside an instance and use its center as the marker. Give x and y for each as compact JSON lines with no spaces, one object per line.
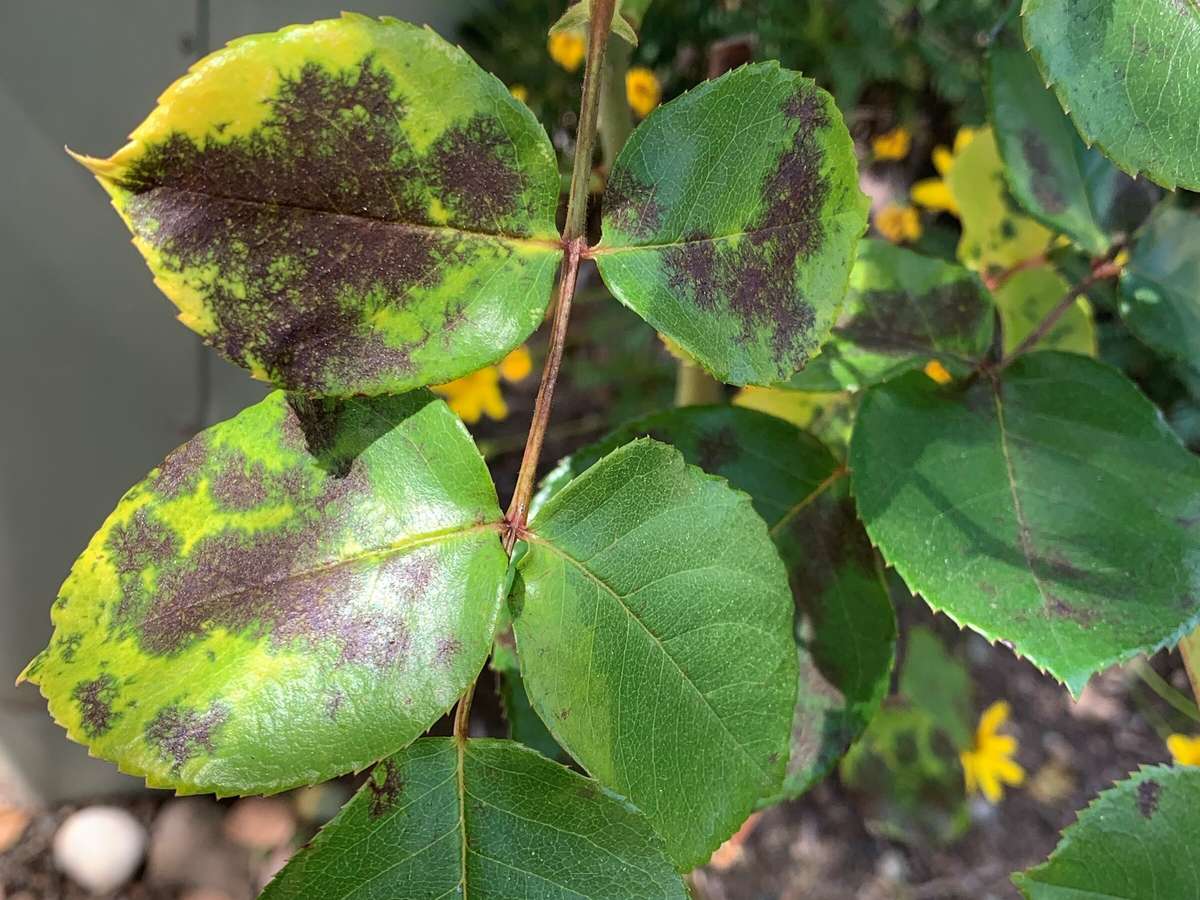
{"x":937,"y":372}
{"x":934,"y":193}
{"x":642,"y":90}
{"x":1185,"y":749}
{"x":567,"y":48}
{"x":892,"y":145}
{"x":989,"y":763}
{"x":477,"y":394}
{"x":898,"y":223}
{"x":516,"y":365}
{"x":520,"y":92}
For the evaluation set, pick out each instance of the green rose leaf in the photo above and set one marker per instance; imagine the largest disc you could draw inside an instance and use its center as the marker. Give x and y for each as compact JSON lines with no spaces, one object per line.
{"x":1160,"y":288}
{"x":485,"y":819}
{"x":1136,"y":841}
{"x":524,"y":724}
{"x":938,"y":683}
{"x":654,"y":627}
{"x":1057,"y":179}
{"x":1050,"y":507}
{"x":903,"y":309}
{"x":347,"y":207}
{"x":730,"y":222}
{"x":845,"y":629}
{"x":1126,"y":72}
{"x":1024,"y":301}
{"x":290,"y":596}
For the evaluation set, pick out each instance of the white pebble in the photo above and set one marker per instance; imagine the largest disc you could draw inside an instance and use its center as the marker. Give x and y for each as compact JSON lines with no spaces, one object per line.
{"x":100,"y":847}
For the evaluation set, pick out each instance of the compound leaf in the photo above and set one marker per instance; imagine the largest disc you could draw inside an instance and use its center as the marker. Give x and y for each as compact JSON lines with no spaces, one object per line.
{"x":290,"y":596}
{"x":1136,"y":841}
{"x":654,"y":627}
{"x":1127,"y":72}
{"x":1052,"y":174}
{"x":1050,"y":507}
{"x":347,"y":207}
{"x":902,"y":310}
{"x":730,"y":222}
{"x":845,"y":629}
{"x":485,"y":819}
{"x":1160,"y":288}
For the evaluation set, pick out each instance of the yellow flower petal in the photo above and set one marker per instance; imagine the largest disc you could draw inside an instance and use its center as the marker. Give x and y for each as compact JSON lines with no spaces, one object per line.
{"x":994,"y":745}
{"x":934,"y":194}
{"x":474,"y":395}
{"x":943,"y":159}
{"x":516,"y":365}
{"x":642,"y":90}
{"x":519,"y":91}
{"x":989,"y":786}
{"x":993,"y":717}
{"x":965,"y":135}
{"x":1009,"y":772}
{"x":567,"y":48}
{"x":1185,"y":749}
{"x":892,"y":145}
{"x":898,"y":223}
{"x":937,"y":372}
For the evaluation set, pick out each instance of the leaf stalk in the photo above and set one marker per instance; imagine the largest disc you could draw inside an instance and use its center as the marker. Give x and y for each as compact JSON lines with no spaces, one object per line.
{"x":574,"y":246}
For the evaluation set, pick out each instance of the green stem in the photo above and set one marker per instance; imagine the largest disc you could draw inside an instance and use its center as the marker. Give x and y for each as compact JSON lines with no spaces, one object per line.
{"x":574,"y":243}
{"x":695,"y":387}
{"x":616,"y":119}
{"x":1189,"y":649}
{"x":1166,"y":692}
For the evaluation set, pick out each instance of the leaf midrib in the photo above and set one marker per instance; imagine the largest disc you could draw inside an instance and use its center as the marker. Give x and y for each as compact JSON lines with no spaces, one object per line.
{"x":600,"y":582}
{"x":400,"y":225}
{"x":395,"y":548}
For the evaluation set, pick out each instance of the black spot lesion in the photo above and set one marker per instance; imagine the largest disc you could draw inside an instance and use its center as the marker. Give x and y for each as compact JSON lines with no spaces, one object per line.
{"x":949,"y":316}
{"x":294,"y":220}
{"x":754,"y":278}
{"x":1043,"y":178}
{"x":95,"y":698}
{"x":1147,"y":797}
{"x":385,"y":787}
{"x":717,"y":448}
{"x":178,"y":734}
{"x":631,"y":206}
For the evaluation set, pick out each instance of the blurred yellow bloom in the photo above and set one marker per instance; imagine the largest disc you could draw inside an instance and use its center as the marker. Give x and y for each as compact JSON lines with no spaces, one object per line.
{"x":642,"y":90}
{"x":893,"y":144}
{"x":1185,"y":749}
{"x":898,"y":223}
{"x":937,"y":372}
{"x":567,"y":48}
{"x":934,"y":193}
{"x":520,"y":92}
{"x":478,"y":394}
{"x":989,"y":764}
{"x":516,"y":365}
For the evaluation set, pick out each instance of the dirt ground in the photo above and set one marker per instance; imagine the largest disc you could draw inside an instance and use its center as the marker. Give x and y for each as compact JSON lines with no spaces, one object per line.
{"x":817,"y":847}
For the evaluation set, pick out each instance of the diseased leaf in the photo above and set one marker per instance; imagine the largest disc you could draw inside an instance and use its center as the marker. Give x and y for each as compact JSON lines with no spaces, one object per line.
{"x":996,"y":234}
{"x":1160,"y":288}
{"x":1052,"y":174}
{"x":845,"y":629}
{"x":1026,"y":298}
{"x":1126,"y":71}
{"x":347,"y":207}
{"x":1136,"y":841}
{"x":902,"y":310}
{"x":654,"y":625}
{"x":730,"y":222}
{"x":1051,"y":507}
{"x":486,"y":819}
{"x":291,"y":595}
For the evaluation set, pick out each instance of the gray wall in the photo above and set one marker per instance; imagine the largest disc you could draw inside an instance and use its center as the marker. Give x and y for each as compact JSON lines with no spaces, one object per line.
{"x":99,"y":380}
